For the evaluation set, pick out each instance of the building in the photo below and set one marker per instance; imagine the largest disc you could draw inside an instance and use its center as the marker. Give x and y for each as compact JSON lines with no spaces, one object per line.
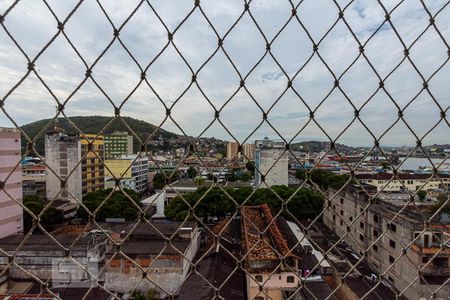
{"x":39,"y":253}
{"x":62,"y":156}
{"x":167,"y":265}
{"x":132,"y":169}
{"x":412,"y":182}
{"x":92,"y":167}
{"x":271,"y":160}
{"x":392,"y":235}
{"x":11,"y":215}
{"x":277,"y":258}
{"x":33,"y":180}
{"x":117,"y":144}
{"x":249,"y":151}
{"x":233,"y":150}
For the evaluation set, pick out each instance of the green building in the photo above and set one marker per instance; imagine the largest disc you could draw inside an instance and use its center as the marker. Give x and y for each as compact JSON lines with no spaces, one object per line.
{"x":118,"y":143}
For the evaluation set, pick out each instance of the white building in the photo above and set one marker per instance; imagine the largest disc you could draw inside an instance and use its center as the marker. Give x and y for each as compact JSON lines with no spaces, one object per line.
{"x":271,"y":160}
{"x":11,"y":213}
{"x":62,"y":156}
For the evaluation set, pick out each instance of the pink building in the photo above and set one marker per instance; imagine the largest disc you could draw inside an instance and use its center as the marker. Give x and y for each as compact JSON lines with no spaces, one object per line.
{"x":11,"y":213}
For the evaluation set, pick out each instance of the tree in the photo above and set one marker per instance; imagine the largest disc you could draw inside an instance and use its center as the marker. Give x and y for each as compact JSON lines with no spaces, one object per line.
{"x":442,"y":202}
{"x":151,"y":294}
{"x":324,"y":178}
{"x":191,"y":172}
{"x":118,"y":205}
{"x":421,"y":194}
{"x":199,"y":181}
{"x":250,"y":167}
{"x":35,"y":204}
{"x":160,"y":179}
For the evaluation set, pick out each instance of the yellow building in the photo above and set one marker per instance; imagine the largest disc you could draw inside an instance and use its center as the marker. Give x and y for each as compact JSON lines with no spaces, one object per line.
{"x":118,"y":167}
{"x":92,"y":168}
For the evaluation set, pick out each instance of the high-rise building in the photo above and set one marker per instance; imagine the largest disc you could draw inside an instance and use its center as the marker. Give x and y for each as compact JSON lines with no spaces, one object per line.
{"x":232,"y":150}
{"x":271,"y":160}
{"x":62,"y":156}
{"x":132,"y":169}
{"x":117,"y":144}
{"x":11,"y":215}
{"x":249,"y":151}
{"x":93,"y":174}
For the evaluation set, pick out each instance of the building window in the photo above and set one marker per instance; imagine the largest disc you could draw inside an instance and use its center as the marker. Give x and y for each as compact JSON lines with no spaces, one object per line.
{"x":375,"y":218}
{"x":425,"y":259}
{"x":375,"y":248}
{"x":392,"y":244}
{"x":375,"y":233}
{"x":391,"y":259}
{"x":350,"y":218}
{"x":341,"y":223}
{"x":258,"y":278}
{"x":392,"y":227}
{"x":342,"y":201}
{"x":361,"y":225}
{"x":391,"y":279}
{"x":361,"y":237}
{"x":342,"y":212}
{"x":290,"y":279}
{"x":259,"y":298}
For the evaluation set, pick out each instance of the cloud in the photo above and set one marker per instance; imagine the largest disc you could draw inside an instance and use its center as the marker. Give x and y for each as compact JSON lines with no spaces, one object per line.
{"x":170,"y":71}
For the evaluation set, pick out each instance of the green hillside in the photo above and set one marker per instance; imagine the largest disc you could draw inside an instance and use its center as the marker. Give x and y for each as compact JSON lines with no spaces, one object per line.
{"x":94,"y":124}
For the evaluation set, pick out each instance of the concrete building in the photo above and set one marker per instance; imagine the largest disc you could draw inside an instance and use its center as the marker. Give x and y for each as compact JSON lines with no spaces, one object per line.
{"x":92,"y":166}
{"x":132,"y":169}
{"x":272,"y":162}
{"x":39,"y":254}
{"x":168,"y":264}
{"x":117,"y":144}
{"x":405,"y":181}
{"x":33,"y":180}
{"x":249,"y":151}
{"x":385,"y":233}
{"x":11,"y":213}
{"x":62,"y":155}
{"x":232,"y":150}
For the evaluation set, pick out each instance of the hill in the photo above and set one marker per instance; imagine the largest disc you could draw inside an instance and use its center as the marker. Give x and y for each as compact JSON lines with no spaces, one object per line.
{"x":94,"y":124}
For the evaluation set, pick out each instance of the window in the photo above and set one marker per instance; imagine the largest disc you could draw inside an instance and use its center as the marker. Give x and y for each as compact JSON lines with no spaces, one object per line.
{"x":342,"y":201}
{"x":259,"y":298}
{"x":375,"y":218}
{"x":258,"y":278}
{"x":290,"y":279}
{"x":341,"y":223}
{"x":392,"y":227}
{"x":391,"y":279}
{"x":361,"y":225}
{"x":375,"y":233}
{"x":342,"y":212}
{"x":391,"y":259}
{"x":392,"y":244}
{"x":361,"y":237}
{"x":375,"y":248}
{"x":425,"y":259}
{"x":350,"y":218}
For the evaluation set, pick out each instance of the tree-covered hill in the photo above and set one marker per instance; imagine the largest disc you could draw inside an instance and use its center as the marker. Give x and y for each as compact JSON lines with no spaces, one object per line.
{"x":94,"y":124}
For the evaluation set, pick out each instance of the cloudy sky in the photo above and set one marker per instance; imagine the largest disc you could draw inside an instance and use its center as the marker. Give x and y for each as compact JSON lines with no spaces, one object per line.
{"x":33,"y":25}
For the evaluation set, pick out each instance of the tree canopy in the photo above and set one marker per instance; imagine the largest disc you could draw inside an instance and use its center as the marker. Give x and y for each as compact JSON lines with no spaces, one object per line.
{"x":304,"y":204}
{"x":160,"y":179}
{"x":324,"y":178}
{"x":35,"y":204}
{"x":117,"y":206}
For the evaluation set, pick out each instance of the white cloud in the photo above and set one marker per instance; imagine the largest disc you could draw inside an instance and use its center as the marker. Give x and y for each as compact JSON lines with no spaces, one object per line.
{"x":31,"y":23}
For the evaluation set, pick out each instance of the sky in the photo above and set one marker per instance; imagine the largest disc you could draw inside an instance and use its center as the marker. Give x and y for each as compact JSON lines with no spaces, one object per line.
{"x":32,"y":24}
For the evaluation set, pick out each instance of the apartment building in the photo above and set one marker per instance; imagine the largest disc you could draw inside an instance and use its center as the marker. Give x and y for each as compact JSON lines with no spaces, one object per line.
{"x":405,"y":181}
{"x":62,"y":156}
{"x":117,"y":144}
{"x":33,"y":180}
{"x":132,"y":169}
{"x":272,"y":162}
{"x":92,"y":166}
{"x":233,"y":150}
{"x":249,"y":151}
{"x":11,"y":213}
{"x":384,"y":232}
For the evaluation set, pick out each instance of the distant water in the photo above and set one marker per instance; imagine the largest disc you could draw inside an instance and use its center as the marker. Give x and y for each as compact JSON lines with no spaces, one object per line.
{"x":413,"y":163}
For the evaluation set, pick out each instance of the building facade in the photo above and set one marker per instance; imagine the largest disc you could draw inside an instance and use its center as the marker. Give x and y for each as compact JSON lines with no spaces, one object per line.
{"x":117,"y":144}
{"x":383,"y":231}
{"x":62,"y":156}
{"x":132,"y":169}
{"x":272,"y":162}
{"x":33,"y":180}
{"x":11,"y":213}
{"x":233,"y":150}
{"x":249,"y":151}
{"x":92,"y":165}
{"x":405,"y":181}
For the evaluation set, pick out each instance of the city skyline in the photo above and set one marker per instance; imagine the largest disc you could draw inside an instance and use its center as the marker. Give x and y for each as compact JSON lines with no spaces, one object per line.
{"x":145,"y":36}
